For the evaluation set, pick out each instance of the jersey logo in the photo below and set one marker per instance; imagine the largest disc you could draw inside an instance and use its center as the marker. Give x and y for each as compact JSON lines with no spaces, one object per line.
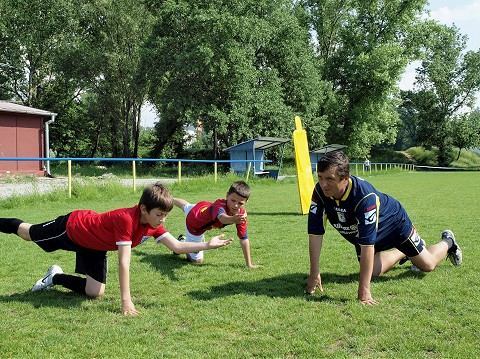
{"x":371,"y":216}
{"x":203,"y":209}
{"x":313,"y":208}
{"x":341,"y":217}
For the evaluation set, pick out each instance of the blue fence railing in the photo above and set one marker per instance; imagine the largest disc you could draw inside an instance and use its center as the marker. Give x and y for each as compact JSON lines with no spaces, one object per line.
{"x":179,"y":161}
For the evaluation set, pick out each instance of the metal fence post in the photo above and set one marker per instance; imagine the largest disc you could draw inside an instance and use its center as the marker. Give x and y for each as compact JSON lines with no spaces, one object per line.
{"x":179,"y":171}
{"x":69,"y":166}
{"x":215,"y":170}
{"x":134,"y":171}
{"x":248,"y":171}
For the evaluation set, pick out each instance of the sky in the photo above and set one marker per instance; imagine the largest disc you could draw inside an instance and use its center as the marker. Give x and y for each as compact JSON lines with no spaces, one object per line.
{"x":464,"y":14}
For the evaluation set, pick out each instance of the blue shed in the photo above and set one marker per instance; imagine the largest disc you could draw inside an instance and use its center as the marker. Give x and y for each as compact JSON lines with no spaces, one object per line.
{"x":253,"y":150}
{"x":315,"y":155}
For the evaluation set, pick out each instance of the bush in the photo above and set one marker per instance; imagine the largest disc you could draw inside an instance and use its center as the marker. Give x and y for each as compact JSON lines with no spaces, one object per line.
{"x":423,"y":157}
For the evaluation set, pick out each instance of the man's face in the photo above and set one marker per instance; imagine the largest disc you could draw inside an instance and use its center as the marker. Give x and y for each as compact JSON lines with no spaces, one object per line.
{"x":154,"y":218}
{"x":331,"y":184}
{"x":235,"y":202}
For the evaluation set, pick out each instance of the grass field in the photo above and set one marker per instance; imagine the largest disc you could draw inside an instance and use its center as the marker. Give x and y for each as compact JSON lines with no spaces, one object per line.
{"x":222,"y":309}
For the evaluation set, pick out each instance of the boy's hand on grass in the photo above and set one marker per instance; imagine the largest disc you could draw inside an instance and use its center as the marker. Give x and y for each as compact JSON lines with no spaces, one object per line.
{"x":313,"y":283}
{"x":218,"y":241}
{"x":128,"y":309}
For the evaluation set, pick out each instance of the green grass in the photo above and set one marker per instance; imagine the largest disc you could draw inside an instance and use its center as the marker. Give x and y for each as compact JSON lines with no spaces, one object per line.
{"x":222,"y":309}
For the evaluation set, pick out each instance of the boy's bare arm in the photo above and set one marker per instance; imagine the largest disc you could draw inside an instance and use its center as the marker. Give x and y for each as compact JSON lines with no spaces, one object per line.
{"x":234,"y":219}
{"x":124,"y":255}
{"x":187,"y":247}
{"x":179,"y":202}
{"x":245,"y":243}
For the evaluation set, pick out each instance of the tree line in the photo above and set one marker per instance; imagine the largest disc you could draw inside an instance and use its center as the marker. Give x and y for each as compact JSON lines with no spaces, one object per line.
{"x":238,"y":69}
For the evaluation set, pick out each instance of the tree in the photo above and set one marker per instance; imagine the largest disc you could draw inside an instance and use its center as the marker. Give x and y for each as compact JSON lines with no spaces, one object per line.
{"x":449,"y":79}
{"x":465,"y":130}
{"x":72,"y":58}
{"x":364,"y":47}
{"x":238,"y":69}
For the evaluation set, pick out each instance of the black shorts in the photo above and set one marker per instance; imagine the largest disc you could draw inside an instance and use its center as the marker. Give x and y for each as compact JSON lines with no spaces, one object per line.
{"x":411,"y":246}
{"x":52,"y":236}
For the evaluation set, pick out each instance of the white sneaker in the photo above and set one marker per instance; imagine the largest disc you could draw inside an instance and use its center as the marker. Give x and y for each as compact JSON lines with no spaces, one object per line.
{"x":454,"y":253}
{"x":47,"y":281}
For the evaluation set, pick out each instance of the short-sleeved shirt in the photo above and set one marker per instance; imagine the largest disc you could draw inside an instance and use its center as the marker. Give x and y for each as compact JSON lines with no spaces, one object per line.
{"x":106,"y":231}
{"x":204,"y":216}
{"x":363,"y":215}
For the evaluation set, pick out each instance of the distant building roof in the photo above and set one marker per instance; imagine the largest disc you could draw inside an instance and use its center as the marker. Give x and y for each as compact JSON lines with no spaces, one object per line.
{"x":6,"y":106}
{"x":260,"y":143}
{"x":329,"y":148}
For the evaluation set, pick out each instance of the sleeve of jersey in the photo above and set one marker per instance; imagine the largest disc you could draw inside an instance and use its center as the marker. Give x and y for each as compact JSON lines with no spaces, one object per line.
{"x":123,"y":231}
{"x":367,"y":213}
{"x":216,"y":211}
{"x":159,"y":233}
{"x":316,"y":215}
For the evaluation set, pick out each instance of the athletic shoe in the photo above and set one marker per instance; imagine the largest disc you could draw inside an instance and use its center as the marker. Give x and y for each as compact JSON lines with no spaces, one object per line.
{"x":454,"y":253}
{"x":47,"y":281}
{"x":180,"y":238}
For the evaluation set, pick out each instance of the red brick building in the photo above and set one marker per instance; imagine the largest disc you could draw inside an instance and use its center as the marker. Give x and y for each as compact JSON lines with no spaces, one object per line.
{"x":24,"y":133}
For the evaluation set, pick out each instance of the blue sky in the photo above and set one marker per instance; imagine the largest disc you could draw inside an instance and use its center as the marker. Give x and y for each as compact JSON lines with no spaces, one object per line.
{"x":464,"y":14}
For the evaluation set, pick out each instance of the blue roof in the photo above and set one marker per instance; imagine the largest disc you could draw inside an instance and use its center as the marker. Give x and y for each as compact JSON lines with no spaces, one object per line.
{"x":328,"y":148}
{"x":259,"y":143}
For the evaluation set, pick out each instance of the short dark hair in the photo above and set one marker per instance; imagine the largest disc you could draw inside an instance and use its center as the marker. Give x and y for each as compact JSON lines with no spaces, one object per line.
{"x":336,"y":159}
{"x":157,"y":196}
{"x":241,"y":188}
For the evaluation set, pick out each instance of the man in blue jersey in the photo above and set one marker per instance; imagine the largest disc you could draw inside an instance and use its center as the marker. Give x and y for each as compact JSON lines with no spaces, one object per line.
{"x":375,"y":223}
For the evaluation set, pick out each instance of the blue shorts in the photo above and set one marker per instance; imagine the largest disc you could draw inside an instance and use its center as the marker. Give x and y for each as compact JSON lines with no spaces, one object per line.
{"x":411,"y":246}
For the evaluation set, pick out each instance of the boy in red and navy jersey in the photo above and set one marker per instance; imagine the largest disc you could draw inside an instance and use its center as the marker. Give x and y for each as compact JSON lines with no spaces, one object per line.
{"x":91,"y":235}
{"x":203,"y":216}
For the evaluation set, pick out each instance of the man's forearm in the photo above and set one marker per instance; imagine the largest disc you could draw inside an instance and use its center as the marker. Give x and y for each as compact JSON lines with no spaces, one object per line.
{"x":314,"y":247}
{"x":366,"y":267}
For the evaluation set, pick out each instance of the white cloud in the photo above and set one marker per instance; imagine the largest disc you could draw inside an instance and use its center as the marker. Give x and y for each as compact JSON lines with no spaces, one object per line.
{"x":456,"y":13}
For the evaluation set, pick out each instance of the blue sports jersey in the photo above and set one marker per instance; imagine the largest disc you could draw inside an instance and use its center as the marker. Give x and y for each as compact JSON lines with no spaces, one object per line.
{"x":363,"y":215}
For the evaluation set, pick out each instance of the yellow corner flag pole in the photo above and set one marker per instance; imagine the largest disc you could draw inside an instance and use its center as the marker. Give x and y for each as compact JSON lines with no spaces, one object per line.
{"x":304,"y":168}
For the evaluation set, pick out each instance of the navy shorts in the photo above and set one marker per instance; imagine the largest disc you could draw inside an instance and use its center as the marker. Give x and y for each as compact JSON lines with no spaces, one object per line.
{"x":52,"y":236}
{"x":411,"y":246}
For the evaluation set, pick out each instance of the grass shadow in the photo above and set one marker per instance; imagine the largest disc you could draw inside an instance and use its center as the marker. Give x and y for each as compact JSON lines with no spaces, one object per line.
{"x":167,"y":264}
{"x":48,"y":298}
{"x":287,"y":286}
{"x":253,"y":213}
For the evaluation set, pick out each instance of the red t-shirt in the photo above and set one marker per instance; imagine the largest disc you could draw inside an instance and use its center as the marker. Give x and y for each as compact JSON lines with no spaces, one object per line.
{"x":204,"y":216}
{"x":106,"y":231}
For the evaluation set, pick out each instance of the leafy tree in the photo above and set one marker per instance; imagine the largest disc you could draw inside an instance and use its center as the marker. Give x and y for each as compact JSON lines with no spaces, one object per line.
{"x":81,"y":60}
{"x":447,"y":80}
{"x":238,"y":69}
{"x":40,"y":52}
{"x":465,"y":130}
{"x":364,"y":47}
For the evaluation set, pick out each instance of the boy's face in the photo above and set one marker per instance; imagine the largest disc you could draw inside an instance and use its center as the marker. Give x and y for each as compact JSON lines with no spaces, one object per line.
{"x":154,"y":218}
{"x":235,"y":202}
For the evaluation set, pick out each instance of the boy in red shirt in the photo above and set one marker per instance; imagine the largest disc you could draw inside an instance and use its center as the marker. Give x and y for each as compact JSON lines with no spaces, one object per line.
{"x":92,"y":234}
{"x":202,"y":216}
